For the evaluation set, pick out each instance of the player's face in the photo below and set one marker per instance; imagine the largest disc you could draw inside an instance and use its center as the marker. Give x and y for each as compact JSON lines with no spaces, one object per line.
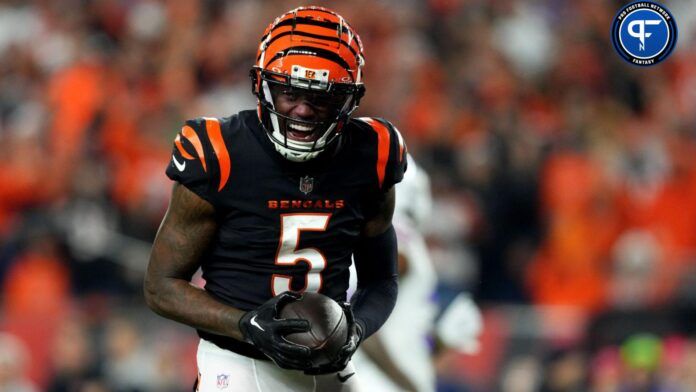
{"x":305,"y":105}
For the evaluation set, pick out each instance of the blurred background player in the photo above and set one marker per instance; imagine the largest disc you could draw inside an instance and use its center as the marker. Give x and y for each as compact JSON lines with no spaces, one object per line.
{"x":400,"y":356}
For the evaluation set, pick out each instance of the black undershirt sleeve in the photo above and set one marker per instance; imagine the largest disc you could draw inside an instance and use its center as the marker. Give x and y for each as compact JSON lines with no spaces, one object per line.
{"x":376,"y":264}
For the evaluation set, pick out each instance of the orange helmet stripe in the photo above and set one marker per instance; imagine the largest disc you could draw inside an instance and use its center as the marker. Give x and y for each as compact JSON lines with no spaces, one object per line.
{"x":318,"y":37}
{"x":212,"y":125}
{"x":306,"y":50}
{"x":303,"y":20}
{"x":192,"y":137}
{"x":316,"y":30}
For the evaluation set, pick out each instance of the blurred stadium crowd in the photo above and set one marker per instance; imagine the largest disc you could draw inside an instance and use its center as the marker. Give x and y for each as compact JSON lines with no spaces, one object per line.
{"x":564,"y":182}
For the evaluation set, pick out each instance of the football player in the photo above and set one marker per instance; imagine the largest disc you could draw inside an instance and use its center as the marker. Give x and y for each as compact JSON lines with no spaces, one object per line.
{"x":275,"y":201}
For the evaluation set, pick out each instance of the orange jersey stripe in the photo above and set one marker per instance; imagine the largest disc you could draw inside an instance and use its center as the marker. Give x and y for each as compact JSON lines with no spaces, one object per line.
{"x":382,"y":147}
{"x":180,"y":147}
{"x":402,"y":145}
{"x":223,"y":156}
{"x":192,"y":137}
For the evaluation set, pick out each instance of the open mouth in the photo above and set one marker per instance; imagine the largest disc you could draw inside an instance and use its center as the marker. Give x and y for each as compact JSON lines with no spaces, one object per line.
{"x":300,"y":132}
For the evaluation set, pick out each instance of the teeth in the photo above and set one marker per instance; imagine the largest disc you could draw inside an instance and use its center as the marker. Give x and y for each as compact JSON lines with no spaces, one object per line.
{"x":298,"y":127}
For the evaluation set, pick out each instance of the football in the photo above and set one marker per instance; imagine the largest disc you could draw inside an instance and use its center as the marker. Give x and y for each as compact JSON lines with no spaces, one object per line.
{"x":328,"y":326}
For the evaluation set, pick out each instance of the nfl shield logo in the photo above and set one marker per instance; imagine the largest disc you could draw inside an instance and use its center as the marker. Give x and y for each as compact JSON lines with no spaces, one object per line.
{"x":223,"y":381}
{"x":306,"y":184}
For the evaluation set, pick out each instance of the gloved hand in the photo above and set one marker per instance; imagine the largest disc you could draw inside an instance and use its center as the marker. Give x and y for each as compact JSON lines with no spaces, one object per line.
{"x":262,"y":328}
{"x":348,"y":349}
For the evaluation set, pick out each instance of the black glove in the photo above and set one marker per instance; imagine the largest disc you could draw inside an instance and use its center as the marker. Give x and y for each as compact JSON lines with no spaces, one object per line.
{"x":348,"y":349}
{"x":262,"y":328}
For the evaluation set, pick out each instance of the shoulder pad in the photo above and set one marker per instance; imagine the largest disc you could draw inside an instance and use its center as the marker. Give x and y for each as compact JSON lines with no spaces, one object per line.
{"x":391,"y":151}
{"x":200,"y":156}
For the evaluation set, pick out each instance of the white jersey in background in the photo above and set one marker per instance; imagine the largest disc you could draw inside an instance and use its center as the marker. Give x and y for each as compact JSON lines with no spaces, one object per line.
{"x":405,"y":335}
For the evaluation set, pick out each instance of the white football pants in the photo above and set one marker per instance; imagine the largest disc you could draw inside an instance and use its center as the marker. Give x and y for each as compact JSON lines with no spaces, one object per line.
{"x":222,"y":370}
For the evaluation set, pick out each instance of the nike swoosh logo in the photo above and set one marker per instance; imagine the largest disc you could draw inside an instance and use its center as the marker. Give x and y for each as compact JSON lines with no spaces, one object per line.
{"x":255,"y":324}
{"x":344,"y":378}
{"x":180,"y":166}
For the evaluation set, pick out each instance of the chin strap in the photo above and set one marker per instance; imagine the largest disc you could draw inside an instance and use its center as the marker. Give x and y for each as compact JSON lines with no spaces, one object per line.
{"x":294,"y":150}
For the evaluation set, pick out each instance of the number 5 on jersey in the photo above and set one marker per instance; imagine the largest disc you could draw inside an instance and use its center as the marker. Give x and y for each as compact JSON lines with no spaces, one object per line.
{"x":291,"y":225}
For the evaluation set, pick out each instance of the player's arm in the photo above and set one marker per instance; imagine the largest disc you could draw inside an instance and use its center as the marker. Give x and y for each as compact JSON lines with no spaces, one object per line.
{"x":376,"y":265}
{"x":402,"y":264}
{"x":375,"y":255}
{"x":185,"y":233}
{"x":375,"y":349}
{"x":373,"y":301}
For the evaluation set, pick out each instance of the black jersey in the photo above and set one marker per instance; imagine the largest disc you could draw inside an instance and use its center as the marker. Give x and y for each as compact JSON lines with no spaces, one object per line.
{"x":283,"y":225}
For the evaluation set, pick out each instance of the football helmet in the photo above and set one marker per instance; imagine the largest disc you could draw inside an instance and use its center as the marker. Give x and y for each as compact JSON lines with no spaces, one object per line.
{"x":313,"y":54}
